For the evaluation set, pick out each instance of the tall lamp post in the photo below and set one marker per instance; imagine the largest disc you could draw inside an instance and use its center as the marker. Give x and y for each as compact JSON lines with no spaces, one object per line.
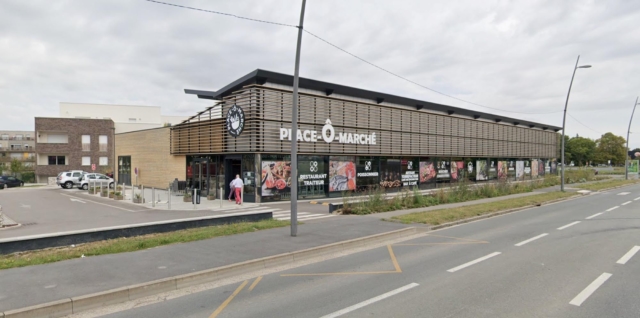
{"x":564,"y":120}
{"x":626,"y":155}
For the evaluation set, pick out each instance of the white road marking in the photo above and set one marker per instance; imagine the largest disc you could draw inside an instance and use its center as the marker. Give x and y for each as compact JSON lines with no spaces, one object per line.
{"x":623,"y":193}
{"x":615,"y":207}
{"x":76,"y":200}
{"x":636,"y":199}
{"x":584,"y":294}
{"x":626,"y":203}
{"x":112,"y":206}
{"x":624,"y":259}
{"x":25,"y":206}
{"x":318,"y":217}
{"x":370,"y":301}
{"x":50,"y":286}
{"x":532,"y":239}
{"x":593,"y":216}
{"x":455,"y":269}
{"x":568,"y":225}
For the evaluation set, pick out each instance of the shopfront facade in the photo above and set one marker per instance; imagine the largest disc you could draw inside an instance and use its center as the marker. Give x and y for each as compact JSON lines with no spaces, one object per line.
{"x":350,"y":140}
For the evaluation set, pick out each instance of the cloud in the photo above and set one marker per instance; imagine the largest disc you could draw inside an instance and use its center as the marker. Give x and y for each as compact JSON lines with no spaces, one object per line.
{"x":510,"y":55}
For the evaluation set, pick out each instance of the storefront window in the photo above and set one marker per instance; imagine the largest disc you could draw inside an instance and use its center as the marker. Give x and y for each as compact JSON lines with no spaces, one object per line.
{"x":511,"y":169}
{"x":312,"y":180}
{"x":390,"y":173}
{"x":534,"y":168}
{"x":342,"y":174}
{"x":493,"y":168}
{"x":427,"y":173}
{"x":275,"y":178}
{"x":470,"y":170}
{"x":553,"y":166}
{"x":249,"y":177}
{"x":527,"y":169}
{"x":367,"y":173}
{"x":503,"y":170}
{"x":410,"y":172}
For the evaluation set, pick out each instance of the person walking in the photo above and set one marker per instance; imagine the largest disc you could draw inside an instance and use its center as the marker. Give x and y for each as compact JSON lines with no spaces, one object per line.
{"x":238,"y":185}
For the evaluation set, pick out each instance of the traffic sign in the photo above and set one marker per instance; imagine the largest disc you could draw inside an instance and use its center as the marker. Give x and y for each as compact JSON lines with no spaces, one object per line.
{"x":93,"y":167}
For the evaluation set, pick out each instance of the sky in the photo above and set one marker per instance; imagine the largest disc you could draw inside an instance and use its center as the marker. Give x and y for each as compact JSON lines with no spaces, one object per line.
{"x":515,"y":56}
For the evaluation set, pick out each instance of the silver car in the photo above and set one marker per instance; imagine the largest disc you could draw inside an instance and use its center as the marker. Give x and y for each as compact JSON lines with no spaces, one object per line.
{"x":94,"y":179}
{"x":68,"y":179}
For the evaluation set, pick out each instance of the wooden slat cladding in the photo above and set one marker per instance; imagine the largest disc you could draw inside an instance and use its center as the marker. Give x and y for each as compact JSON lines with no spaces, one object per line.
{"x":398,"y":131}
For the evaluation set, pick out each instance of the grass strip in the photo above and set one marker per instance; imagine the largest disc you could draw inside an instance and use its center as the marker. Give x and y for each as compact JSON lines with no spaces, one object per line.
{"x":437,"y":217}
{"x":606,"y":184}
{"x":122,"y":245}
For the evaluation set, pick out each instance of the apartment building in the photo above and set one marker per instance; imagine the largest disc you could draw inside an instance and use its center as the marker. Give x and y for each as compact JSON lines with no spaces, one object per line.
{"x":126,"y":118}
{"x":18,"y":145}
{"x":64,"y":144}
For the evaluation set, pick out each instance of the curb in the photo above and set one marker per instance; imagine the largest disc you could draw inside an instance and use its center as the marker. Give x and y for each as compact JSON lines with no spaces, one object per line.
{"x":82,"y":303}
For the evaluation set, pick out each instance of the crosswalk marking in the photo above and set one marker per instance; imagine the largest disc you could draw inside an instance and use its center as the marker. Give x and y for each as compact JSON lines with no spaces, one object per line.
{"x":278,"y":214}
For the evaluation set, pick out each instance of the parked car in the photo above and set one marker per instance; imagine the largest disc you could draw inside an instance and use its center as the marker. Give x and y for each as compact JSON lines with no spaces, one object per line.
{"x":94,"y":178}
{"x":68,"y":179}
{"x":11,"y":182}
{"x":2,"y":186}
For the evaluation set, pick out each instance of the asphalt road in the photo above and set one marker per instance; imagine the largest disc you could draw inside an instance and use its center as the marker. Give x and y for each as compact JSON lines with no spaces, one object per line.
{"x":559,"y":260}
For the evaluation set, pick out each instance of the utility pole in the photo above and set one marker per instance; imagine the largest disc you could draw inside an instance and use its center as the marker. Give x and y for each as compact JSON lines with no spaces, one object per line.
{"x":294,"y":131}
{"x":626,"y":155}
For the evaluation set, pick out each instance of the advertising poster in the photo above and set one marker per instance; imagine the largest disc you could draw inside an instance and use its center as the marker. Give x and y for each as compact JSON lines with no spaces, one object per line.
{"x":633,"y":166}
{"x":443,"y":171}
{"x":457,"y":171}
{"x":547,"y":166}
{"x":502,"y":170}
{"x":427,"y":172}
{"x":534,"y":168}
{"x":367,"y":172}
{"x":390,"y":173}
{"x":276,"y":177}
{"x":554,"y":167}
{"x":342,"y":176}
{"x":511,"y":169}
{"x":312,"y":178}
{"x":470,"y":171}
{"x":410,"y":172}
{"x":519,"y":170}
{"x":541,"y":168}
{"x":481,"y":170}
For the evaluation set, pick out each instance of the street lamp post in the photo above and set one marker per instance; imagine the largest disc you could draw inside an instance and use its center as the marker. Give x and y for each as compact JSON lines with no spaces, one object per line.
{"x":626,"y":155}
{"x":564,"y":120}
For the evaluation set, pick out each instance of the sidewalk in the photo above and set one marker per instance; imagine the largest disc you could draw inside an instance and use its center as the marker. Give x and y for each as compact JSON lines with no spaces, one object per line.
{"x":33,"y":285}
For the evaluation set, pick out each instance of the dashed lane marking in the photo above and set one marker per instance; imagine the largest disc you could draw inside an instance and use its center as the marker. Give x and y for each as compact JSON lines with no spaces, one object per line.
{"x":584,"y":294}
{"x":568,"y":225}
{"x":615,"y":207}
{"x":623,"y":193}
{"x":593,"y":216}
{"x":624,"y":259}
{"x":370,"y":301}
{"x":532,"y":239}
{"x":475,"y":261}
{"x":626,"y":203}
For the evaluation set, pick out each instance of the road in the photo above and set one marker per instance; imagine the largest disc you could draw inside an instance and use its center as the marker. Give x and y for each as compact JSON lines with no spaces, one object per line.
{"x":569,"y":259}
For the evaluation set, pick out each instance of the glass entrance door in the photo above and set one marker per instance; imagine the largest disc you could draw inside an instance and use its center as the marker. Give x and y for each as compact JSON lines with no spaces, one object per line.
{"x":201,"y":176}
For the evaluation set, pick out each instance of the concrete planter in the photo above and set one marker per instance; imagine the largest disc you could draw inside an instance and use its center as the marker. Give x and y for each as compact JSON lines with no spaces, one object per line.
{"x":186,"y":199}
{"x":118,"y":197}
{"x":211,"y":197}
{"x":104,"y":194}
{"x":141,"y":200}
{"x":111,"y":195}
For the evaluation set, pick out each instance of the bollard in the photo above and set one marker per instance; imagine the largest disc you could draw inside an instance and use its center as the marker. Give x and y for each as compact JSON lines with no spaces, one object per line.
{"x":193,"y":198}
{"x":153,"y":196}
{"x":221,"y":190}
{"x":133,"y":193}
{"x":241,"y":197}
{"x":169,"y":197}
{"x":142,"y":191}
{"x":100,"y":188}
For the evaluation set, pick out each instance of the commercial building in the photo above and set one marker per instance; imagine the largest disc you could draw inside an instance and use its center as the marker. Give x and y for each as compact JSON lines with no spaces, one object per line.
{"x":126,"y":117}
{"x":349,"y":139}
{"x":17,"y":145}
{"x":64,"y":144}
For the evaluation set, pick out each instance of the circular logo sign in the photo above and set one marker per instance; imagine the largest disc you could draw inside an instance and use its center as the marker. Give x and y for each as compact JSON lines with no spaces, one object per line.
{"x":235,"y":120}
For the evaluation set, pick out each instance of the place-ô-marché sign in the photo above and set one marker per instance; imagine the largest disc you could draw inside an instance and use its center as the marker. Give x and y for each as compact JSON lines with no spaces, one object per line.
{"x":328,"y":134}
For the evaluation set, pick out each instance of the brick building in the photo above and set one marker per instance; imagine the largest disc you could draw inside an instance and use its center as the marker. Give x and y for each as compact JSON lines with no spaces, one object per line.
{"x":64,"y":144}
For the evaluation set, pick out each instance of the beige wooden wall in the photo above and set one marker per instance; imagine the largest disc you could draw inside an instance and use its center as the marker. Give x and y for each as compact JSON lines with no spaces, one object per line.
{"x":150,"y":152}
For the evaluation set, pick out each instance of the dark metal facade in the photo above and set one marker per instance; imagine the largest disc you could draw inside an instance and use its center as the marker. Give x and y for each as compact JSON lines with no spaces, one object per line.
{"x":399,"y":131}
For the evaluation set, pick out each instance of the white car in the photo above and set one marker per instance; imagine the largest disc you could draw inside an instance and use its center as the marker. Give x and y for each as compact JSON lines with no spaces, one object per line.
{"x":94,"y":179}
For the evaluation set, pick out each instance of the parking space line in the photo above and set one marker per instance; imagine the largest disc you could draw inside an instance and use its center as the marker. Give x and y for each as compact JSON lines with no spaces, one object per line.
{"x":113,"y":206}
{"x":478,"y":260}
{"x":393,"y":259}
{"x":615,"y":207}
{"x":255,"y":282}
{"x":593,"y":216}
{"x":568,"y":225}
{"x":624,"y":259}
{"x":626,"y":203}
{"x":532,"y":239}
{"x":370,"y":301}
{"x":585,"y":293}
{"x":226,"y":302}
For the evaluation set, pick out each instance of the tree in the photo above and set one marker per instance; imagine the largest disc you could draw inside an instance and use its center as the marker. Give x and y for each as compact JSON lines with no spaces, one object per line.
{"x":611,"y":147}
{"x":581,"y":149}
{"x":16,"y":167}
